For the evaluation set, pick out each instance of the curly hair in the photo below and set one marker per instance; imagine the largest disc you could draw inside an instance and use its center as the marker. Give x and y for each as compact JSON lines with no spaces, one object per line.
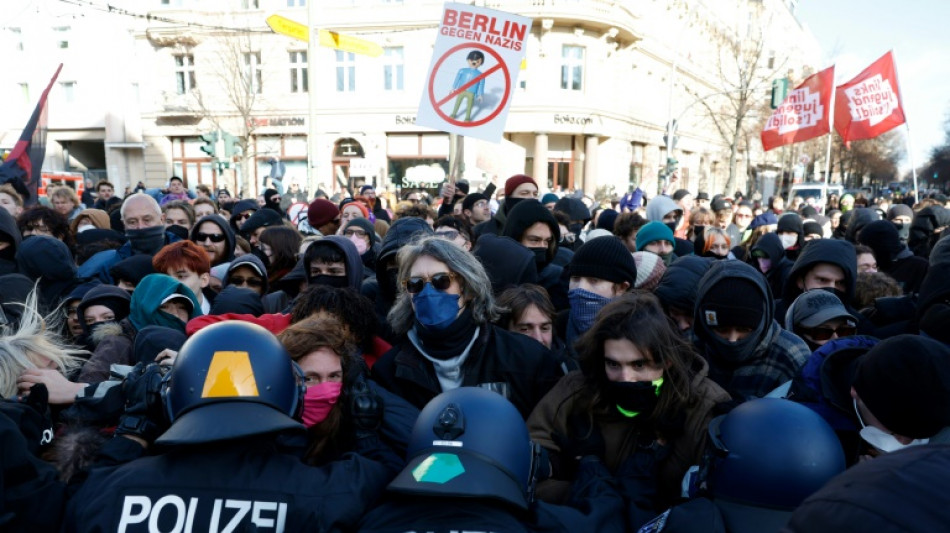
{"x":56,"y":223}
{"x":355,"y":312}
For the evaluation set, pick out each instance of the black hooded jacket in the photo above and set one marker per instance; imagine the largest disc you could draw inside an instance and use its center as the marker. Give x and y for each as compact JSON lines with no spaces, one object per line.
{"x":219,"y":221}
{"x":893,"y":257}
{"x":237,"y":300}
{"x":8,"y":233}
{"x":14,"y":289}
{"x":240,"y":207}
{"x":771,"y":246}
{"x":860,"y":217}
{"x":922,"y":230}
{"x":678,"y":285}
{"x":354,"y":265}
{"x":116,"y":299}
{"x":523,"y":216}
{"x":49,"y":261}
{"x":506,"y":261}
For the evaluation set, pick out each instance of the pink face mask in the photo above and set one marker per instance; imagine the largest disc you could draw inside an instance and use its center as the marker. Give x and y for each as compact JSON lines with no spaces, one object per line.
{"x":360,"y":243}
{"x":765,"y":264}
{"x":318,"y":402}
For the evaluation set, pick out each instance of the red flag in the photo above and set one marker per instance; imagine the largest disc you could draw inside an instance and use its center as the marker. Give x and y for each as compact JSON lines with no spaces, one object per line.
{"x":803,"y":114}
{"x":22,"y":167}
{"x":870,"y":104}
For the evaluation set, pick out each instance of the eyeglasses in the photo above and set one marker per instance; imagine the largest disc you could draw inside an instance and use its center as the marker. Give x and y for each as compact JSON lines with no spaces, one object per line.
{"x":440,"y":282}
{"x":823,"y":334}
{"x":213,"y":237}
{"x":250,"y":282}
{"x":354,"y":232}
{"x":244,"y":216}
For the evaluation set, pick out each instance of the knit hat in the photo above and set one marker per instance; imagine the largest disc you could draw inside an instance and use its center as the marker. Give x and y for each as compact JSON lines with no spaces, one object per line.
{"x":461,"y":188}
{"x":654,"y":231}
{"x":133,"y":269}
{"x":765,"y":219}
{"x":650,"y":268}
{"x":733,"y":302}
{"x":900,"y":210}
{"x":472,"y":199}
{"x":321,"y":211}
{"x":549,"y":198}
{"x":263,"y":218}
{"x":604,"y":258}
{"x":905,"y":382}
{"x":790,"y":222}
{"x":813,"y":228}
{"x":513,"y":182}
{"x":366,"y":226}
{"x":356,"y":203}
{"x":365,"y":188}
{"x":606,"y":219}
{"x":573,"y":208}
{"x":814,"y":308}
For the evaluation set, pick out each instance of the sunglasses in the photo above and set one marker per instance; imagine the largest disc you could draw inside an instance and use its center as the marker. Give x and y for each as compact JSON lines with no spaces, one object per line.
{"x":244,"y":216}
{"x":250,"y":282}
{"x":355,"y":232}
{"x":823,"y":334}
{"x":440,"y":282}
{"x":213,"y":237}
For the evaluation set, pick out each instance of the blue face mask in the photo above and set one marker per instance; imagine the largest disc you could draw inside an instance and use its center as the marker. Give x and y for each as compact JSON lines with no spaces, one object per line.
{"x":584,"y":308}
{"x":435,"y":309}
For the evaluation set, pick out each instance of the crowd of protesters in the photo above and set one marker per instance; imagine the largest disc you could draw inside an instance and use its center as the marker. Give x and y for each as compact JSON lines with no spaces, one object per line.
{"x":181,"y":360}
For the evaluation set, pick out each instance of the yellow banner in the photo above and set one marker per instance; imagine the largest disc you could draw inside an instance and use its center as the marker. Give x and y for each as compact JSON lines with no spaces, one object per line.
{"x":330,"y":39}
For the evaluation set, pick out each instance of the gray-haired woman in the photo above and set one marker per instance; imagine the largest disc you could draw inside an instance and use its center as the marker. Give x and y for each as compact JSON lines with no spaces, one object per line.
{"x":442,"y":317}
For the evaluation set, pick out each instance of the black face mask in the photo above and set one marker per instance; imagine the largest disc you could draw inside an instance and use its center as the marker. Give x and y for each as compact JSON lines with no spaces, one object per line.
{"x":146,"y":240}
{"x":540,"y":258}
{"x":337,"y":282}
{"x":634,"y":398}
{"x":510,"y":203}
{"x":387,"y":283}
{"x":673,"y":225}
{"x":903,"y":231}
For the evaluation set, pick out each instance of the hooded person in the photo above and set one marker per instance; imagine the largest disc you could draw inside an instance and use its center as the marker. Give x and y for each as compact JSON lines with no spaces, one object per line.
{"x":893,"y":257}
{"x":153,"y":340}
{"x":247,"y":271}
{"x":237,"y":300}
{"x":382,"y":289}
{"x":533,"y":226}
{"x":826,"y":263}
{"x":48,"y":261}
{"x":665,"y":210}
{"x":861,"y":217}
{"x":933,"y":304}
{"x":259,"y":221}
{"x":333,"y":261}
{"x":577,"y":212}
{"x":272,"y":201}
{"x":768,"y":257}
{"x":101,"y":305}
{"x":159,"y":300}
{"x":10,"y":238}
{"x":518,"y":188}
{"x":367,"y":244}
{"x":902,"y":216}
{"x":241,"y":212}
{"x":216,"y":236}
{"x":89,"y":219}
{"x":507,"y":263}
{"x":129,"y":272}
{"x":926,"y":227}
{"x":73,"y":330}
{"x":601,"y":270}
{"x":790,"y":231}
{"x":15,"y":289}
{"x":749,"y":353}
{"x":819,"y":317}
{"x":677,"y":290}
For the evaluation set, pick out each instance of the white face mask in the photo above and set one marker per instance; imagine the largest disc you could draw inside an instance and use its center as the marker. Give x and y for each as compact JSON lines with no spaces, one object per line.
{"x":788,"y":240}
{"x":83,"y":227}
{"x":882,"y":440}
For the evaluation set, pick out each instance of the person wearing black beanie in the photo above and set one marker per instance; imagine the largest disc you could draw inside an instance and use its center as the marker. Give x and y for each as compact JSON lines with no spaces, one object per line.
{"x":901,"y":392}
{"x":600,"y":270}
{"x":272,"y":201}
{"x":893,"y":257}
{"x":792,"y":233}
{"x":259,"y":221}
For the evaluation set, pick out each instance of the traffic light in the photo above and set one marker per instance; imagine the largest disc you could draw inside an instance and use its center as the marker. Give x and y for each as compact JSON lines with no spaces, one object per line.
{"x":671,"y":165}
{"x":779,"y":92}
{"x":210,"y":139}
{"x":232,"y":145}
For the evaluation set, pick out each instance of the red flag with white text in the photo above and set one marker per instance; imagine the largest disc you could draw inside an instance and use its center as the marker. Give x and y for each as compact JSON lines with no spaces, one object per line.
{"x":870,"y":104}
{"x":804,"y":114}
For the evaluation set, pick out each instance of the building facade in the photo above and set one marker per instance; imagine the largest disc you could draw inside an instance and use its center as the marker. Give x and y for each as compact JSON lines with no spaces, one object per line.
{"x":601,"y":82}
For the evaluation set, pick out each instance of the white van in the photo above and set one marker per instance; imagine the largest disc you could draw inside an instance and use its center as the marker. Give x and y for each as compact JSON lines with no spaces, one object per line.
{"x":817,"y":190}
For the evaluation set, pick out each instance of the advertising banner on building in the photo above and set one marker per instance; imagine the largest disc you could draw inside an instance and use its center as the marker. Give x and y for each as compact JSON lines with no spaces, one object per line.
{"x":474,"y":71}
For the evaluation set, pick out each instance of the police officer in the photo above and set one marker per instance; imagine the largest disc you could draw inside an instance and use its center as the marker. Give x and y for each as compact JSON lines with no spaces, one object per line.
{"x":226,"y":461}
{"x":472,"y":468}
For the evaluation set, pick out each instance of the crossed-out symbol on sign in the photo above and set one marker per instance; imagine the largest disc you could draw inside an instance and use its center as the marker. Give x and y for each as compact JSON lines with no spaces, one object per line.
{"x":500,"y":65}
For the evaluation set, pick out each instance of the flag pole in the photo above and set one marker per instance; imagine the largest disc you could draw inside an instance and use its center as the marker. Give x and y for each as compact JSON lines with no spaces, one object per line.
{"x":831,"y":130}
{"x":910,"y":144}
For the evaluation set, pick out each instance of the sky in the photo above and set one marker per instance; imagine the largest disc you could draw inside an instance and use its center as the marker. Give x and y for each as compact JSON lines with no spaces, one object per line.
{"x":854,"y":33}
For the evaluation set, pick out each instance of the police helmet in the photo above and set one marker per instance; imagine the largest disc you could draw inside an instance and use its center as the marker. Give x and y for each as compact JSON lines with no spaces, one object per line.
{"x":231,"y":379}
{"x":470,"y":443}
{"x":764,"y":458}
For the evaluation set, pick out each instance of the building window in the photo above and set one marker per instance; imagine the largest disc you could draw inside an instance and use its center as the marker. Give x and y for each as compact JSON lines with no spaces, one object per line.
{"x":252,"y":72}
{"x":185,"y":72}
{"x":296,"y":3}
{"x":17,"y":35}
{"x":345,"y":71}
{"x":393,"y":68}
{"x":298,"y":72}
{"x":572,"y":68}
{"x":69,"y":90}
{"x":25,"y":92}
{"x":62,"y":37}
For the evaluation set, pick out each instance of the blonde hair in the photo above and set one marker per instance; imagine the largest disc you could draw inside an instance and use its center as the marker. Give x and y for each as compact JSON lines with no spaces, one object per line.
{"x":66,"y":193}
{"x":22,"y":345}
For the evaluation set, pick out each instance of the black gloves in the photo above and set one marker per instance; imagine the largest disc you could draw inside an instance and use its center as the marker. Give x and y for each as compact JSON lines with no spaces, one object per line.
{"x":364,"y":408}
{"x":583,"y":439}
{"x":33,"y":417}
{"x":144,"y":414}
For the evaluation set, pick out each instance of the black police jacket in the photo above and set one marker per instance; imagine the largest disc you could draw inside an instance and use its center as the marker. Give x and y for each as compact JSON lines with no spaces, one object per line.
{"x":518,"y":367}
{"x":239,"y":485}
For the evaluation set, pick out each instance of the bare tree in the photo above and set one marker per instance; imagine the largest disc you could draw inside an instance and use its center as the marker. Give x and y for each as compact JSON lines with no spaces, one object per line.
{"x":744,"y":70}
